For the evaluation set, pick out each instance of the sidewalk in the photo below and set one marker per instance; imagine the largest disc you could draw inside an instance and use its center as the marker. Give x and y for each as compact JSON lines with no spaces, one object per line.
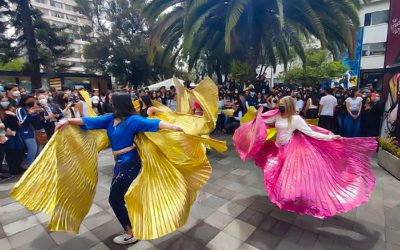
{"x":231,"y":212}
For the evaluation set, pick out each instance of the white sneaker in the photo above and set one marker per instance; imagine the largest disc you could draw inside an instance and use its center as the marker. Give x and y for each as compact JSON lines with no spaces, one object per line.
{"x":124,"y":239}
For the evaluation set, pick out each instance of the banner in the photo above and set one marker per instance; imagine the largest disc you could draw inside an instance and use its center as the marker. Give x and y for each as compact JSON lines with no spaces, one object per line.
{"x":353,"y":65}
{"x":392,"y":56}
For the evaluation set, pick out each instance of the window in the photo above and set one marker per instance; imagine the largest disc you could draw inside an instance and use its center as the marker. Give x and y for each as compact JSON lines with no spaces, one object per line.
{"x":372,"y":49}
{"x":56,"y":4}
{"x":58,"y":24}
{"x":72,"y":18}
{"x":57,"y":14}
{"x":69,"y":7}
{"x":44,"y":12}
{"x":77,"y":64}
{"x":41,"y":1}
{"x":376,"y":18}
{"x":76,"y":55}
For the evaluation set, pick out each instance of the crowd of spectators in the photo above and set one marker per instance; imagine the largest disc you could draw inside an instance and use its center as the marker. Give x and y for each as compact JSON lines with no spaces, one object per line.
{"x":28,"y":119}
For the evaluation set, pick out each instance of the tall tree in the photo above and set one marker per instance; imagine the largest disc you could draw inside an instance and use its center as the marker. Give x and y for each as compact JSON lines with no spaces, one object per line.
{"x":120,"y":45}
{"x":319,"y":68}
{"x":42,"y":43}
{"x":252,"y":31}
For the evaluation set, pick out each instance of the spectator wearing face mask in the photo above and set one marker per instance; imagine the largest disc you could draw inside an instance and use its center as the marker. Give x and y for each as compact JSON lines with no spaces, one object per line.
{"x":28,"y":117}
{"x":251,"y":98}
{"x":13,"y":94}
{"x":14,"y":147}
{"x":97,"y":103}
{"x":371,"y":119}
{"x":52,"y":114}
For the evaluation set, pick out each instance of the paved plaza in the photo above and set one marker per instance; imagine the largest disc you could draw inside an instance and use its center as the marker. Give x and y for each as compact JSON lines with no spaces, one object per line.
{"x":231,"y":212}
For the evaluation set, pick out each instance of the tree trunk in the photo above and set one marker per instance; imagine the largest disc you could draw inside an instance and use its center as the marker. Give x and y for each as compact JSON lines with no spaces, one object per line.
{"x":31,"y":45}
{"x":217,"y":69}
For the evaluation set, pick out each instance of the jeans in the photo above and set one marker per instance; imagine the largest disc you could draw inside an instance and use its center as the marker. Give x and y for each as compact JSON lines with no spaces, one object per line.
{"x":220,"y":123}
{"x":340,"y":119}
{"x":352,"y":126}
{"x":125,"y":172}
{"x":32,"y":150}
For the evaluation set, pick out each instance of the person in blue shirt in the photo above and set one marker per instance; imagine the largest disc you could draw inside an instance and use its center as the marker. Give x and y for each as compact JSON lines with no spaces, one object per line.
{"x":122,"y":126}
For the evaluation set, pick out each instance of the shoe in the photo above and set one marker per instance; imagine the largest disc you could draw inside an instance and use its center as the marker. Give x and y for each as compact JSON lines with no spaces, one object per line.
{"x":125,"y":239}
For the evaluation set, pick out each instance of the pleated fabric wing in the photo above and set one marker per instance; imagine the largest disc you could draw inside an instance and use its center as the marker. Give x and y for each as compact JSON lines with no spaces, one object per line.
{"x":62,"y":180}
{"x":309,"y":176}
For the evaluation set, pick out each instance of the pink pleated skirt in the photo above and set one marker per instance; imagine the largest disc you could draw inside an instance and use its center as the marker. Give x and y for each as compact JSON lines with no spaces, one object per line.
{"x":318,"y":178}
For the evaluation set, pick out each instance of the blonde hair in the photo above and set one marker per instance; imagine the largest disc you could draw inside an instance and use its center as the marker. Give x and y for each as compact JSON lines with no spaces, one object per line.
{"x":290,"y":107}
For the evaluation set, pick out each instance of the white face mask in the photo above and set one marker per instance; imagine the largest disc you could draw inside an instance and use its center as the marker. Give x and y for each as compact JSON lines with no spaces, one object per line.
{"x":43,"y":101}
{"x":95,"y":102}
{"x":16,"y":93}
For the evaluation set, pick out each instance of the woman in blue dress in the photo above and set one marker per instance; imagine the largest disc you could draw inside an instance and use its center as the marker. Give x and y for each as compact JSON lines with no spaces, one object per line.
{"x":122,"y":126}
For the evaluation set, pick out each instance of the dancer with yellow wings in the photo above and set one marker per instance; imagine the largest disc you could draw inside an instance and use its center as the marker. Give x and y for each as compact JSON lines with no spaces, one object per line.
{"x":171,"y":166}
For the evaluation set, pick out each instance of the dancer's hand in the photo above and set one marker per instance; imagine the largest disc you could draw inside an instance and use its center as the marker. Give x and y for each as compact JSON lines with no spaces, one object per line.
{"x":61,"y":125}
{"x":177,"y":128}
{"x":335,"y":137}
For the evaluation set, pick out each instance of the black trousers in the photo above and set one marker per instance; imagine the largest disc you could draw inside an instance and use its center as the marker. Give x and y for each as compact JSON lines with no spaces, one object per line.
{"x":125,"y":172}
{"x":14,"y":158}
{"x":327,"y":122}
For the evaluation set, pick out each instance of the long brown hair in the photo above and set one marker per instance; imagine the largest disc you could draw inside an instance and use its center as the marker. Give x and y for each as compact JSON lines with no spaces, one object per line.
{"x":290,"y":107}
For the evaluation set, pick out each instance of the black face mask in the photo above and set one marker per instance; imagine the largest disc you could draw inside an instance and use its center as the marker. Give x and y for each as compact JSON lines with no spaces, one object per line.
{"x":282,"y":109}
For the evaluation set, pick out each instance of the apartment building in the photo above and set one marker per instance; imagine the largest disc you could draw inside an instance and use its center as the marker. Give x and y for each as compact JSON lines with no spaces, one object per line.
{"x":374,"y":17}
{"x":61,"y":13}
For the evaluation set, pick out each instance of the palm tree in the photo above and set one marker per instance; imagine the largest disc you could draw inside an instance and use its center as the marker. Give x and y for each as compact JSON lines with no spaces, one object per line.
{"x":252,"y":31}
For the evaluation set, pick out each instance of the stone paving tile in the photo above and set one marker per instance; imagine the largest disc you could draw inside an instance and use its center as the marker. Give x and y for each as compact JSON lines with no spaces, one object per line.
{"x":246,"y":246}
{"x":219,"y":220}
{"x":83,"y":241}
{"x":97,"y":219}
{"x":263,"y":240}
{"x":5,"y":244}
{"x":30,"y":236}
{"x":214,"y":202}
{"x":239,"y":229}
{"x":231,"y":212}
{"x":20,"y":225}
{"x":203,"y":232}
{"x":7,"y":218}
{"x":288,"y":245}
{"x":166,"y":241}
{"x":226,"y":194}
{"x":186,"y":242}
{"x":224,"y":241}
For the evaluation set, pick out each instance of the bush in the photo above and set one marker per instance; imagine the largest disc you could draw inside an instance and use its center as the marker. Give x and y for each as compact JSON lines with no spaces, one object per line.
{"x":390,"y":145}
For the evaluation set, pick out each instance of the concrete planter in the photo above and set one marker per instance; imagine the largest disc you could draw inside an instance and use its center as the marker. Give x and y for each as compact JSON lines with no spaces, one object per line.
{"x":389,"y":162}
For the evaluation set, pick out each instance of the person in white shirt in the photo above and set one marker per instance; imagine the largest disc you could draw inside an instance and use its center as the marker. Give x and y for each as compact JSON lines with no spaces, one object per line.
{"x":352,"y":120}
{"x":327,"y":106}
{"x":299,"y":103}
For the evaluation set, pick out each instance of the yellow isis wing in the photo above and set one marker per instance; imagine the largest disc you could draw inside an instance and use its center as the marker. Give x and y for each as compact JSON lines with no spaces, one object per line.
{"x":206,"y":94}
{"x":175,"y":166}
{"x":62,"y":180}
{"x":86,"y":97}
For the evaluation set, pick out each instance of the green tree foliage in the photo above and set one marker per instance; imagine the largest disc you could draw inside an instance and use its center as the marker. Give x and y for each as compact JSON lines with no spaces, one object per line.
{"x":251,"y":31}
{"x":42,"y":43}
{"x":319,"y":68}
{"x":240,"y":71}
{"x":14,"y":65}
{"x":120,"y":45}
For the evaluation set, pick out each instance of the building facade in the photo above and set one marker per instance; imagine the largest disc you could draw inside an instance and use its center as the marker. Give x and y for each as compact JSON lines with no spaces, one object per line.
{"x":374,"y":18}
{"x":61,"y":13}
